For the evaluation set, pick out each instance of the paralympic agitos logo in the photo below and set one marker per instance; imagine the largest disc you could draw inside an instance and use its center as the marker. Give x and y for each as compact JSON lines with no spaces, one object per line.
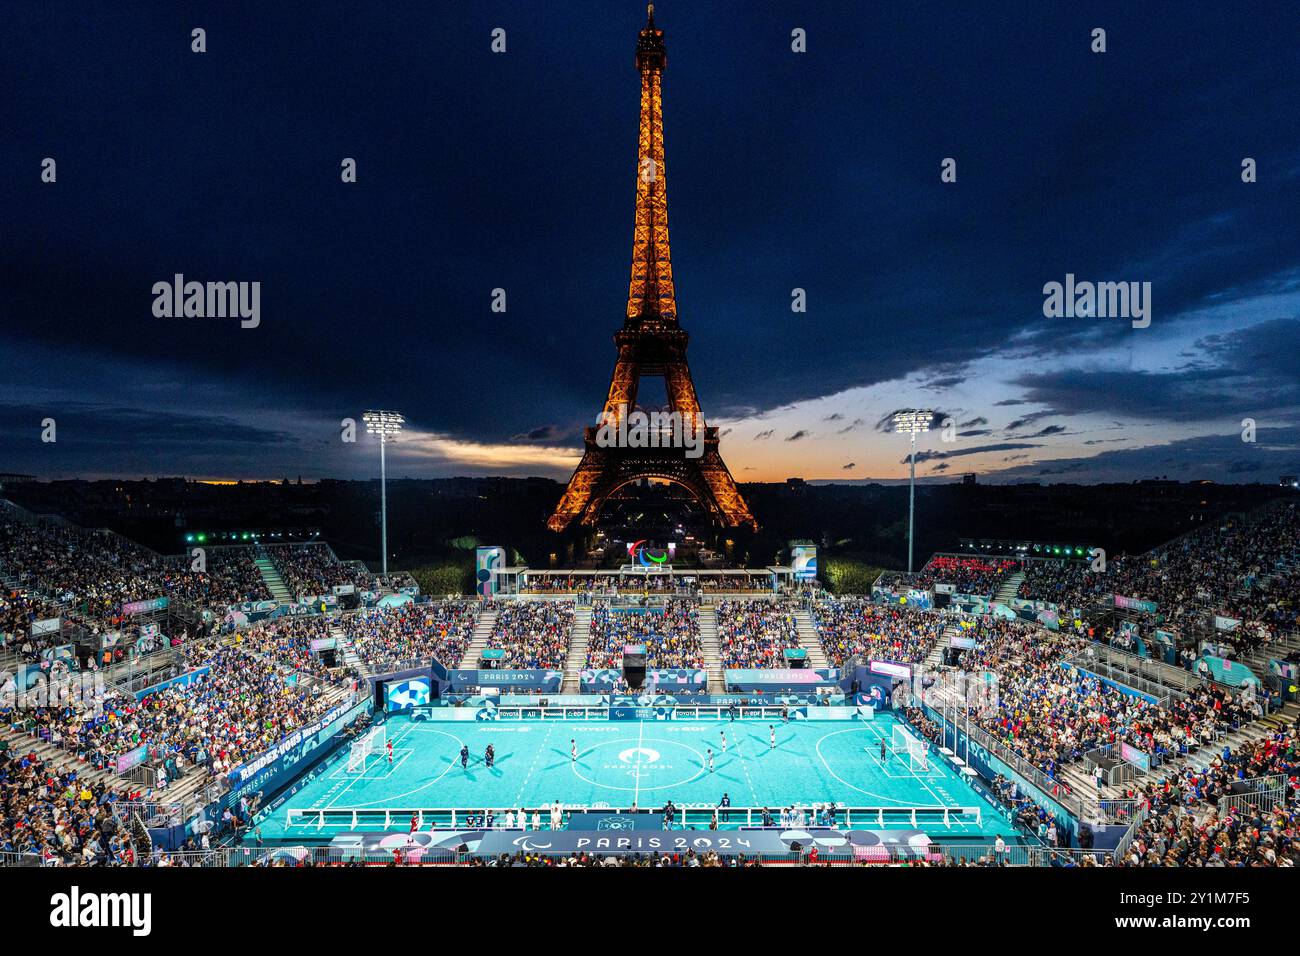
{"x":646,"y":557}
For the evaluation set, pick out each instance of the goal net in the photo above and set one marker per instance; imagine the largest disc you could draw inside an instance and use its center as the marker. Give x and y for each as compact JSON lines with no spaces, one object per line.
{"x":903,"y":742}
{"x":372,"y":743}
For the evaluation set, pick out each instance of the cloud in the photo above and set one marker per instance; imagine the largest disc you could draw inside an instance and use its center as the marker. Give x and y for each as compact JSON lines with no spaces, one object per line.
{"x":973,"y":450}
{"x":850,"y":466}
{"x":541,"y":433}
{"x":974,"y":422}
{"x":1246,"y":370}
{"x":764,"y":435}
{"x":800,"y":434}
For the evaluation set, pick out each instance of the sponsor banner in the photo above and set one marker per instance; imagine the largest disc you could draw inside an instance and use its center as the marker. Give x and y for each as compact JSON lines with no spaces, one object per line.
{"x":1222,"y":623}
{"x":724,"y":843}
{"x":292,"y":750}
{"x":144,"y":607}
{"x":184,"y":680}
{"x":620,"y":822}
{"x":1138,"y":758}
{"x":324,"y":644}
{"x":867,"y":845}
{"x":486,"y":561}
{"x":962,"y":643}
{"x":1135,"y":604}
{"x":803,"y":561}
{"x":546,"y":681}
{"x":665,"y":679}
{"x":1289,"y":670}
{"x":132,"y":758}
{"x":64,"y":653}
{"x":861,"y":712}
{"x":781,"y":678}
{"x":944,"y":589}
{"x":1233,"y":673}
{"x":891,"y":669}
{"x":49,"y":625}
{"x":341,"y":589}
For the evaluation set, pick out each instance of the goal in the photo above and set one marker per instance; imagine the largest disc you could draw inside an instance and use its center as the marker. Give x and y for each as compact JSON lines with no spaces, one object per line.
{"x":372,"y":743}
{"x":903,"y":741}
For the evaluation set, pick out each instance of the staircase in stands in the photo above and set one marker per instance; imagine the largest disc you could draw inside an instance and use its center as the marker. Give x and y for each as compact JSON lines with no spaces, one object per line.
{"x":478,"y":642}
{"x":712,"y":650}
{"x":1010,"y":588}
{"x":577,"y":659}
{"x":809,"y":640}
{"x":344,"y":648}
{"x":274,"y":583}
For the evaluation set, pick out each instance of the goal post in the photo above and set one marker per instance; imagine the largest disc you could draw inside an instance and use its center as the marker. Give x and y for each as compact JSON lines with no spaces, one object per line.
{"x":372,"y":743}
{"x":903,"y":741}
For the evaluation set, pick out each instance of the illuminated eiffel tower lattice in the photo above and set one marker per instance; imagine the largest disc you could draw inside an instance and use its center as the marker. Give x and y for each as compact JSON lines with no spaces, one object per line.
{"x":651,"y":343}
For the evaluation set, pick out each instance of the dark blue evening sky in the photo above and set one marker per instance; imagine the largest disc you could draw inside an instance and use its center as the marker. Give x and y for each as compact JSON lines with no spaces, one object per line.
{"x":816,"y":170}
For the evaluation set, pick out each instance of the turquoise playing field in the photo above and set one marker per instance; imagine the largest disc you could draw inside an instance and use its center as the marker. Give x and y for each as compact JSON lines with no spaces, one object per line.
{"x":621,"y":763}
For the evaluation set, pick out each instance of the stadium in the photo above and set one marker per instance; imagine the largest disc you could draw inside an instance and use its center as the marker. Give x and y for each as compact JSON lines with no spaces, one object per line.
{"x":911,"y":542}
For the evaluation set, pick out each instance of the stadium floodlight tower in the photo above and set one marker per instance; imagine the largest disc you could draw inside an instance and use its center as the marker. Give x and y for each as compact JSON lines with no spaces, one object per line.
{"x":385,"y":426}
{"x":913,"y":422}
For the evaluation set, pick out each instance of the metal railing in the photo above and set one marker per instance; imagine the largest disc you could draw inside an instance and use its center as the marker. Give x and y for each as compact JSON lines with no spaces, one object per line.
{"x":934,"y":854}
{"x":686,"y":817}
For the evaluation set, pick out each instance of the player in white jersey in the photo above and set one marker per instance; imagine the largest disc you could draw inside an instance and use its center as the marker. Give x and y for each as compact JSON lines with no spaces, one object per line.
{"x":724,"y":741}
{"x":710,"y":760}
{"x":573,"y":750}
{"x":771,"y":736}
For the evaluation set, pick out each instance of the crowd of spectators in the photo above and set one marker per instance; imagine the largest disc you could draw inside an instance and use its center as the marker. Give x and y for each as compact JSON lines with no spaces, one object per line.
{"x":92,"y":573}
{"x":755,"y":634}
{"x":614,"y":584}
{"x":671,"y":636}
{"x":533,"y":635}
{"x":309,"y":569}
{"x":59,"y":816}
{"x":239,"y":704}
{"x":850,"y":627}
{"x":968,"y":574}
{"x":389,"y":638}
{"x":1190,"y":824}
{"x":1244,"y":569}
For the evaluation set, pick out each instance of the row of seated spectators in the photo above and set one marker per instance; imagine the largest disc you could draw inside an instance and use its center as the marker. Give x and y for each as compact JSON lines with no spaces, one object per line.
{"x":755,"y":634}
{"x":309,"y":569}
{"x":95,"y":572}
{"x":243,"y":704}
{"x":850,"y":627}
{"x":390,"y":637}
{"x":1052,"y":714}
{"x":1249,"y":570}
{"x":534,"y":635}
{"x":671,"y":637}
{"x":1027,"y":813}
{"x":57,"y":815}
{"x":968,"y":574}
{"x":1189,"y":826}
{"x":638,"y":584}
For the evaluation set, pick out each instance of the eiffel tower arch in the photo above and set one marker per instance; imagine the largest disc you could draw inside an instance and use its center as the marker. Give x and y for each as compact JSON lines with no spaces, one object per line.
{"x":651,"y":343}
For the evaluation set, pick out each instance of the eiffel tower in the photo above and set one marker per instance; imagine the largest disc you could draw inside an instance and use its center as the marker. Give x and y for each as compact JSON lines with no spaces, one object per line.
{"x":651,"y":343}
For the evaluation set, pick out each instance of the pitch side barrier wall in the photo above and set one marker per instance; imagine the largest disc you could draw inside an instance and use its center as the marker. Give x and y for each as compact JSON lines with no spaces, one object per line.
{"x":632,"y":711}
{"x":975,"y":746}
{"x":276,"y":768}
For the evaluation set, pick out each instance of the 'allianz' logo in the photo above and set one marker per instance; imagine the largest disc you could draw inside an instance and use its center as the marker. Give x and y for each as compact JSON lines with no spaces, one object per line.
{"x":76,"y":909}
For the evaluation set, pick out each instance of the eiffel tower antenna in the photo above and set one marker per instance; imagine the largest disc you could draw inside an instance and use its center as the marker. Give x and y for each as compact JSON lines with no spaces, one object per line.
{"x":651,"y":343}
